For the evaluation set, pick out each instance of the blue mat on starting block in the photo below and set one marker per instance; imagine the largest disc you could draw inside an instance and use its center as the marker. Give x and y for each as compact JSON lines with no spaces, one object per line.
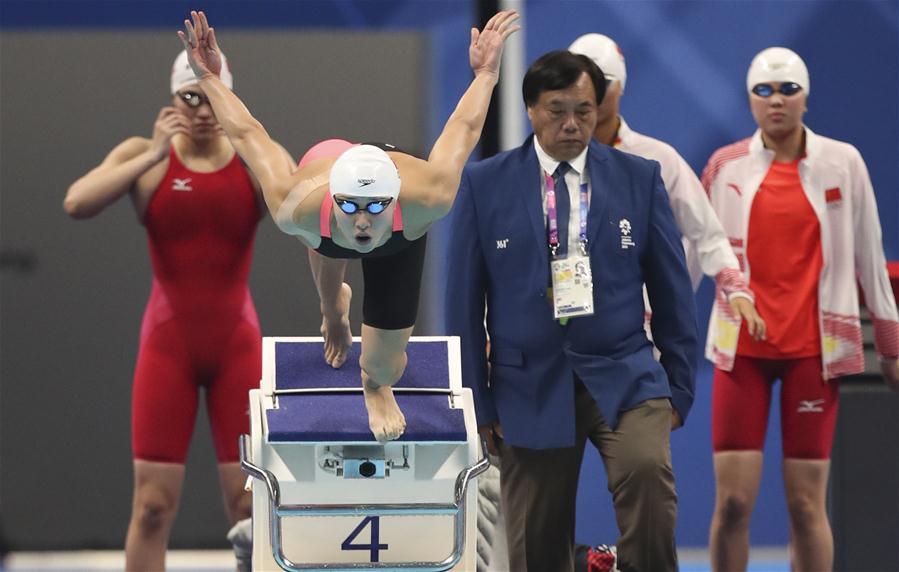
{"x":315,"y":417}
{"x":323,"y":416}
{"x":301,"y":365}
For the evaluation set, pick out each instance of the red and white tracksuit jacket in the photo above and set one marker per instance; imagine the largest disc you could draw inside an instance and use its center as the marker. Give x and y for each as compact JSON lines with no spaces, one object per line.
{"x":836,"y":183}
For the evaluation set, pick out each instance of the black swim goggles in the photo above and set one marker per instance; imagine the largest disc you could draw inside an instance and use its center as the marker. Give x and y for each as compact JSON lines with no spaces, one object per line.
{"x":767,"y":90}
{"x":374,"y":207}
{"x":193,"y":99}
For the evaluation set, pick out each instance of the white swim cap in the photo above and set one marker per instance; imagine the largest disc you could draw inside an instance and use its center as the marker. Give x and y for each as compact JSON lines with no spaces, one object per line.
{"x":365,"y":171}
{"x":183,"y":76}
{"x":605,"y":52}
{"x":777,"y":65}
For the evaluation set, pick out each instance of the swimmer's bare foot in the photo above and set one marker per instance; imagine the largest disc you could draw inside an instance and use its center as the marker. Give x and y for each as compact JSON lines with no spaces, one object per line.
{"x":336,"y":328}
{"x":385,"y":419}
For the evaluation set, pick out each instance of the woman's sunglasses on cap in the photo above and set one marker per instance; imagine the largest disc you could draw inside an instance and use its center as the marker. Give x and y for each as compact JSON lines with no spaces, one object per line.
{"x":374,"y":207}
{"x":192,"y":98}
{"x":767,"y":90}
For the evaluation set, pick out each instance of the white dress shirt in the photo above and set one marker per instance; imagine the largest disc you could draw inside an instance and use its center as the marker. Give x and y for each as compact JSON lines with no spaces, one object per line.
{"x":573,"y":179}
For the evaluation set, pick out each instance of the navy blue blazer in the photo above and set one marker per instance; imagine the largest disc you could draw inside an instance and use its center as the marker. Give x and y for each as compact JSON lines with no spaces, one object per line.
{"x":498,"y":258}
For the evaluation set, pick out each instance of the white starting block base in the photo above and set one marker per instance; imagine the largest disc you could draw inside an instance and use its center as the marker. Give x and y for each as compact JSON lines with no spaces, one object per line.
{"x":324,"y":502}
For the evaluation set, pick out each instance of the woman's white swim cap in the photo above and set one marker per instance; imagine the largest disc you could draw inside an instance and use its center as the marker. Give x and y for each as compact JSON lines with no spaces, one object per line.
{"x":777,"y":65}
{"x":183,"y":76}
{"x":365,"y":171}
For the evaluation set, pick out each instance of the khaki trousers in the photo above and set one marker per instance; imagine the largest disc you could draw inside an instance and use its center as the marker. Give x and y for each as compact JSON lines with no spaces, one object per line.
{"x":539,"y":490}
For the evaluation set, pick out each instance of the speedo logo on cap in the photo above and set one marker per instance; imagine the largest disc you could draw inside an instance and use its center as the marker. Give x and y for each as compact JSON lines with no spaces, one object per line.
{"x":365,"y":182}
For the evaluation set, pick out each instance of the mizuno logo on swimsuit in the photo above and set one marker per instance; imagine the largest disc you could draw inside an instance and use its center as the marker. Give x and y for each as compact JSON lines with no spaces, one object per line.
{"x":181,"y":184}
{"x":813,"y":406}
{"x":365,"y":182}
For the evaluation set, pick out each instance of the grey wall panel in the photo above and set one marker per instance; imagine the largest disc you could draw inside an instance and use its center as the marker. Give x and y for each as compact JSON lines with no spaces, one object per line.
{"x":864,"y":494}
{"x":69,"y":325}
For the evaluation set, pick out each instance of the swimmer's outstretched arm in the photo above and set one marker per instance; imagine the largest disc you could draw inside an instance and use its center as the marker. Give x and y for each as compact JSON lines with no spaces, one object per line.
{"x":120,"y":170}
{"x":269,"y":162}
{"x":434,"y":185}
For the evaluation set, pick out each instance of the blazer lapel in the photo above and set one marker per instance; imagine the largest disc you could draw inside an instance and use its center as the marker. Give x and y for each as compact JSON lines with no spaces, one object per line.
{"x":528,"y":185}
{"x":601,"y":185}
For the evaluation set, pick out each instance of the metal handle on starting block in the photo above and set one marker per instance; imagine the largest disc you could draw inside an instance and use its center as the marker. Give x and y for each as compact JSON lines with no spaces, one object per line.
{"x":278,"y":511}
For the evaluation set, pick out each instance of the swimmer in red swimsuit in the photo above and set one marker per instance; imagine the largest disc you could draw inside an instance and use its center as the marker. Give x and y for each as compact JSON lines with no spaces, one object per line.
{"x":366,"y":185}
{"x":200,"y":206}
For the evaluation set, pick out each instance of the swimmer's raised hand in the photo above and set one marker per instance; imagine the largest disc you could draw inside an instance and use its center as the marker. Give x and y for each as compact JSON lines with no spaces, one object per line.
{"x":203,"y":52}
{"x":486,"y":50}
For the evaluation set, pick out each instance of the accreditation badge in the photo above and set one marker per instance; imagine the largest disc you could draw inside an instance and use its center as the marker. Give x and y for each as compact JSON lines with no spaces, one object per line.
{"x":572,"y":287}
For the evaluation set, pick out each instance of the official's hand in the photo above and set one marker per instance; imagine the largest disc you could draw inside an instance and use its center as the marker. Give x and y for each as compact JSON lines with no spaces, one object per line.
{"x":492,"y":434}
{"x":486,"y":50}
{"x":169,"y":122}
{"x":676,"y":421}
{"x":203,"y":52}
{"x":744,"y":308}
{"x":890,"y":369}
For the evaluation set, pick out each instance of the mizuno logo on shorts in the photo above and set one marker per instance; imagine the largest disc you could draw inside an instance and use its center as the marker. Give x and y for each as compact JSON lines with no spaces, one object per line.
{"x":813,"y":406}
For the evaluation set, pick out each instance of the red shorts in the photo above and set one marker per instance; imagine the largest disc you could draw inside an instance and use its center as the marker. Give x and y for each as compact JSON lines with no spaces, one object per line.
{"x":808,"y":406}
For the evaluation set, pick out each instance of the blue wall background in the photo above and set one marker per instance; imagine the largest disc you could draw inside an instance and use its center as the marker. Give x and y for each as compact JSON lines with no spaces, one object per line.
{"x":686,"y":63}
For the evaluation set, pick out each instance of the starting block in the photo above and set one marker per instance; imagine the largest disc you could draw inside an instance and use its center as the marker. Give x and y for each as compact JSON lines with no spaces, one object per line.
{"x":328,"y":496}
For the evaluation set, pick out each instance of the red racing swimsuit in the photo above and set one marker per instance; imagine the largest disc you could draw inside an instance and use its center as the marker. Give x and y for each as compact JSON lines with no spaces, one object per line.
{"x":200,"y":327}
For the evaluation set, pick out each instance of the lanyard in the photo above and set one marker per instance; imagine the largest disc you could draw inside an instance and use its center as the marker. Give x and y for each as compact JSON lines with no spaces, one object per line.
{"x":553,"y":217}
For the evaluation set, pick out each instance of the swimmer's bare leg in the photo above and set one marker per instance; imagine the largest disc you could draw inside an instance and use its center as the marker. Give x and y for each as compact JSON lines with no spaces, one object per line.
{"x":335,"y":296}
{"x":157,"y":493}
{"x":382,"y":362}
